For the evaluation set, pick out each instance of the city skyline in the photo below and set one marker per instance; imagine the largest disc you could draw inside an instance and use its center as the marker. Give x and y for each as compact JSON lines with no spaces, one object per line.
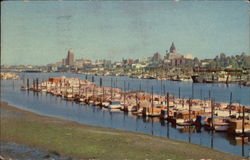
{"x":39,"y":33}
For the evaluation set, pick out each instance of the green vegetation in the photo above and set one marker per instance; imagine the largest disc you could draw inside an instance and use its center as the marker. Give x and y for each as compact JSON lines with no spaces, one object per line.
{"x":238,"y":61}
{"x":68,"y":138}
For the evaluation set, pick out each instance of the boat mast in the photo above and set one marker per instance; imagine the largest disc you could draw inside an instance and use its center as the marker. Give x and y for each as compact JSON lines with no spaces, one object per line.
{"x":152,"y":102}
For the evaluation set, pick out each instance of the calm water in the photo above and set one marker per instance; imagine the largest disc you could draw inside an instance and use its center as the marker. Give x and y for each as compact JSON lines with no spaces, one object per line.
{"x":46,"y":104}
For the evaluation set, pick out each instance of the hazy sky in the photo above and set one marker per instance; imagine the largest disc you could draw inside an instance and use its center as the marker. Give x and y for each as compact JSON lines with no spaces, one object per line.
{"x":42,"y":32}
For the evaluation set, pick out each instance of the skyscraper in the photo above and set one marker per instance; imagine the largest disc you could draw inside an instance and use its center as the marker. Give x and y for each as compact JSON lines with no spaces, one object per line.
{"x":70,"y":58}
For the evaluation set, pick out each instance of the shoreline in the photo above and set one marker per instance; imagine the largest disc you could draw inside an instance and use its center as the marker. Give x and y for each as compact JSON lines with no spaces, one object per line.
{"x":102,"y":143}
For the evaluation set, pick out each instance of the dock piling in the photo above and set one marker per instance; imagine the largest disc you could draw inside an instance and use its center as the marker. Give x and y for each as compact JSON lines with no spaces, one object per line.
{"x":28,"y":83}
{"x":168,"y":104}
{"x":230,"y":103}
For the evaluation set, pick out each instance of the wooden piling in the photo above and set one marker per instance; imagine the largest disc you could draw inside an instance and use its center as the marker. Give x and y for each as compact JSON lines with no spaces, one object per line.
{"x":136,"y":98}
{"x":189,"y":109}
{"x":179,"y":92}
{"x":93,"y":91}
{"x":230,"y":103}
{"x":168,"y":104}
{"x":79,"y":89}
{"x":37,"y":82}
{"x":28,"y":83}
{"x":124,"y":98}
{"x":100,"y":81}
{"x":212,"y":114}
{"x":102,"y":94}
{"x":33,"y":83}
{"x":243,"y":121}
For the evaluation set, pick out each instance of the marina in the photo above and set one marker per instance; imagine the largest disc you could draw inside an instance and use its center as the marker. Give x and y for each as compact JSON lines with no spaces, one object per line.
{"x":134,"y":80}
{"x":148,"y":122}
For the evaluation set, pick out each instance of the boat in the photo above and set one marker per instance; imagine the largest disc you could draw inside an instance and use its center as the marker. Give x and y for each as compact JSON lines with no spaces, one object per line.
{"x":129,"y":108}
{"x":69,"y":97}
{"x":151,"y":111}
{"x":115,"y":105}
{"x":221,"y":126}
{"x":197,"y":79}
{"x":241,"y":140}
{"x":24,"y":88}
{"x":105,"y":104}
{"x":43,"y":90}
{"x":236,"y":127}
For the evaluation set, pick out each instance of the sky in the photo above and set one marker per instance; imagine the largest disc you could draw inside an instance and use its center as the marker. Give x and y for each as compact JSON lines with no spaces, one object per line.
{"x":41,"y":32}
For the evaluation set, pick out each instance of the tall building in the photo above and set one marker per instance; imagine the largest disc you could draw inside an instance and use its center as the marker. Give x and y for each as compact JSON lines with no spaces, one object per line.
{"x":173,"y":58}
{"x":172,"y":48}
{"x":156,"y":57}
{"x":173,"y":54}
{"x":70,"y":58}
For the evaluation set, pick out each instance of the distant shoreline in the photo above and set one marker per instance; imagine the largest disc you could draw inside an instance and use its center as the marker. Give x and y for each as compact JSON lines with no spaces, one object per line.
{"x":69,"y":138}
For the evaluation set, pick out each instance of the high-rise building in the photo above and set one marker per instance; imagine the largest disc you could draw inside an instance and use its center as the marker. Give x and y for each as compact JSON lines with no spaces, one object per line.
{"x":70,"y":58}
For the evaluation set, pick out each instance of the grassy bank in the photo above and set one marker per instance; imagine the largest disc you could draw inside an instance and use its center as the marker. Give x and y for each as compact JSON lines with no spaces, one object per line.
{"x":89,"y":142}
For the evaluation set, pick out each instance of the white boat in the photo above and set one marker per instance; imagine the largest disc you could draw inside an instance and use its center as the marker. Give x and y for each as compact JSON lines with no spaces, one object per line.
{"x":115,"y":105}
{"x":129,"y":108}
{"x":81,"y":99}
{"x":43,"y":90}
{"x":105,"y":104}
{"x":239,"y":130}
{"x":221,"y":126}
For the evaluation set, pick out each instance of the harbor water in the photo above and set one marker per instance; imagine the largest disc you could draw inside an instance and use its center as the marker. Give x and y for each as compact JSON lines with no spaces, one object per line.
{"x":47,"y":104}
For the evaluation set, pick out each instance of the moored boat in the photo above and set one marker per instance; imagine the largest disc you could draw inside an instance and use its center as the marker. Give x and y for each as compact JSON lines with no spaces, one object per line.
{"x":115,"y":105}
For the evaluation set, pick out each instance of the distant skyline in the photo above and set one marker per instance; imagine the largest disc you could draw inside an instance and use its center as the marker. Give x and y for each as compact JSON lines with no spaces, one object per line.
{"x":38,"y":33}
